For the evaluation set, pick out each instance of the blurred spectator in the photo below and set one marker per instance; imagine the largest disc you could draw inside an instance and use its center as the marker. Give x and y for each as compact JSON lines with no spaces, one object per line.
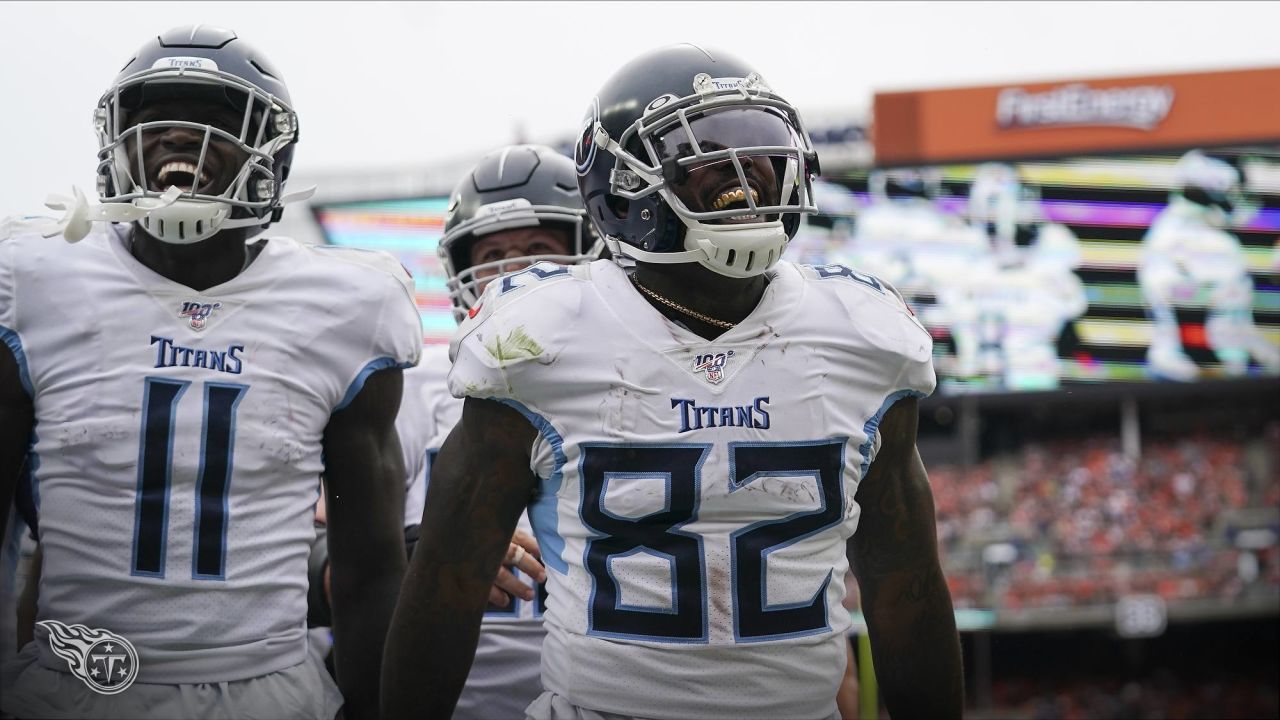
{"x":1090,"y":524}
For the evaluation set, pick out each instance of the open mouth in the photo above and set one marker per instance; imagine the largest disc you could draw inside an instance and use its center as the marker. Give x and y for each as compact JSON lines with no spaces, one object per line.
{"x":182,"y":175}
{"x":736,"y":199}
{"x":733,"y":199}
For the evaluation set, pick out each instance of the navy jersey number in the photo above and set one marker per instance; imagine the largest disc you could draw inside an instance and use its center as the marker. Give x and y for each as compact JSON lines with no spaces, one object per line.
{"x":155,"y":469}
{"x":679,"y":469}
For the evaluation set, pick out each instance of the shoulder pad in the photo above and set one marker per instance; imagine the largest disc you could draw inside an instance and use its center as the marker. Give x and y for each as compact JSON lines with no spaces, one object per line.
{"x":506,"y":290}
{"x":375,"y":259}
{"x":849,"y":282}
{"x":13,"y":226}
{"x":523,"y":316}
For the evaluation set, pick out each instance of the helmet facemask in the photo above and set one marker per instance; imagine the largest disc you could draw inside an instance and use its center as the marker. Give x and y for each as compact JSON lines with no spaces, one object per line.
{"x":731,"y":163}
{"x":128,"y":170}
{"x":466,"y":281}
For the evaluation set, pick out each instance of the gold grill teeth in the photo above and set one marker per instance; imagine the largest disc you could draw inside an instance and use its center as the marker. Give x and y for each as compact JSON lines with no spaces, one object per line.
{"x":732,"y":196}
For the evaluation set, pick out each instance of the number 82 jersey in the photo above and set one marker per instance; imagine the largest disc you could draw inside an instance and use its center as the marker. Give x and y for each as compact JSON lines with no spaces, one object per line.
{"x":696,"y":495}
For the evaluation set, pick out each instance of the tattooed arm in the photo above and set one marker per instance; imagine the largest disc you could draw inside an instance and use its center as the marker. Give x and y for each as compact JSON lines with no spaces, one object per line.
{"x":894,"y":555}
{"x":479,"y":484}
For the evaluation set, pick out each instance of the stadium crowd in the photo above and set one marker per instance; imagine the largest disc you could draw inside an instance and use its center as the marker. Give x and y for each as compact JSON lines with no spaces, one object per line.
{"x":1079,"y":522}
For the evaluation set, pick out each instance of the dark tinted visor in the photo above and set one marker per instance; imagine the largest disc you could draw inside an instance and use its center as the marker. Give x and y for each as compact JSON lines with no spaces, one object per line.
{"x":216,"y":105}
{"x":739,"y":127}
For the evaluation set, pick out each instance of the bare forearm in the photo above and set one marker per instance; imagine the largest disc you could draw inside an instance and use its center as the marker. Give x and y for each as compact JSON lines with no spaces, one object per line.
{"x":908,"y":608}
{"x":363,"y":602}
{"x":914,"y":643}
{"x":443,"y":603}
{"x":480,"y":485}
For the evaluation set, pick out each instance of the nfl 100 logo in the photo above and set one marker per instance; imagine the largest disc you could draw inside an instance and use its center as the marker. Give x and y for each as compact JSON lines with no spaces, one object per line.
{"x":197,"y":313}
{"x":712,"y":364}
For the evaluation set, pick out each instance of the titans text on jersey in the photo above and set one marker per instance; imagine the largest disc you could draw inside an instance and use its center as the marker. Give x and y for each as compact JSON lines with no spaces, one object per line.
{"x":170,"y":354}
{"x":695,"y":417}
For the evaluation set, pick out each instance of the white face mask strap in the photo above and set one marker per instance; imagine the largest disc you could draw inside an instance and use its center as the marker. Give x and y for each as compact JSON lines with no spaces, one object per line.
{"x":619,"y":249}
{"x":79,"y":214}
{"x":602,"y":139}
{"x":288,"y":199}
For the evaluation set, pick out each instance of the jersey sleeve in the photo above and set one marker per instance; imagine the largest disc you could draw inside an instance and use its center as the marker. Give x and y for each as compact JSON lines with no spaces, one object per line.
{"x":883,"y":327}
{"x":385,"y":330}
{"x":916,"y":349}
{"x":515,"y":333}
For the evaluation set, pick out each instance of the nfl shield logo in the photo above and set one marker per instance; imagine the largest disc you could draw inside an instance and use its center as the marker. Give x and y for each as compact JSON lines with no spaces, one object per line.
{"x":197,"y":313}
{"x":713,"y":365}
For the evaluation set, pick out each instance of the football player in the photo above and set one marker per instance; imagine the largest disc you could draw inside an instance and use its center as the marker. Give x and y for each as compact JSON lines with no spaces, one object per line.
{"x":1188,"y":256}
{"x":186,"y":388}
{"x":1008,"y":308}
{"x":695,"y":442}
{"x":905,"y":237}
{"x":517,"y":206}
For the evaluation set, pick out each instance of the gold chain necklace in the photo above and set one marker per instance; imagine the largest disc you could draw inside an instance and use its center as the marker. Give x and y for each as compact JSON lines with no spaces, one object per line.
{"x":682,"y":309}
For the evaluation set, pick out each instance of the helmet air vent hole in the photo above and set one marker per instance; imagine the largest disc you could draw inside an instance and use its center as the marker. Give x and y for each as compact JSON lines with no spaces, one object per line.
{"x":261,"y":69}
{"x":733,"y":255}
{"x":751,"y":260}
{"x":160,"y":225}
{"x":199,"y":227}
{"x":182,"y":234}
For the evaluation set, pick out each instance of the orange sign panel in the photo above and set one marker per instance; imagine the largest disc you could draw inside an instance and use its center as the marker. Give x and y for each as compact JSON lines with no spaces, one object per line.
{"x":1073,"y":117}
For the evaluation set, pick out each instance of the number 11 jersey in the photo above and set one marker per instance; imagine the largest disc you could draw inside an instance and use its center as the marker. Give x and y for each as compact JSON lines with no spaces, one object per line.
{"x":177,"y":448}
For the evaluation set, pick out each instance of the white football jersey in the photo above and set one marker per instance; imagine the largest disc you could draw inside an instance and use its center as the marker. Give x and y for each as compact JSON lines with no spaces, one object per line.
{"x":696,"y":494}
{"x":504,"y":676}
{"x":427,"y":413}
{"x":178,"y":437}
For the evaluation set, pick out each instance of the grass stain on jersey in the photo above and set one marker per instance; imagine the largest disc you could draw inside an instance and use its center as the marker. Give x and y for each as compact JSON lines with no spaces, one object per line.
{"x":515,"y":346}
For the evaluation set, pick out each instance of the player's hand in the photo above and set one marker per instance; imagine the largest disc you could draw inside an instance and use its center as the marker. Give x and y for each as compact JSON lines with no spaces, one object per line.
{"x":322,"y":515}
{"x":523,"y":554}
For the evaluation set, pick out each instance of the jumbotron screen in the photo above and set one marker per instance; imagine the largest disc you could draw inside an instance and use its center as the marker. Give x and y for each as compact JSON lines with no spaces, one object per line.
{"x":1032,"y":275}
{"x":409,"y":229}
{"x":1029,"y":275}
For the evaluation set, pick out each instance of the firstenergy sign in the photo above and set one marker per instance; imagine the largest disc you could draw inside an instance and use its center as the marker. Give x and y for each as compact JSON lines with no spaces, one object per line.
{"x":1075,"y":105}
{"x":1076,"y":116}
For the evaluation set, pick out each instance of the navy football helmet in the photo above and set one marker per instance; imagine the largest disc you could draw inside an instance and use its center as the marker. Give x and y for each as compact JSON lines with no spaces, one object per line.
{"x":687,"y":155}
{"x":517,"y":186}
{"x":203,"y":63}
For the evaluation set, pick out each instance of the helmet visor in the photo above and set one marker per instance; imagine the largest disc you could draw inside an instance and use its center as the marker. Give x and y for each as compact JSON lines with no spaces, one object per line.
{"x":742,"y":127}
{"x":732,"y":163}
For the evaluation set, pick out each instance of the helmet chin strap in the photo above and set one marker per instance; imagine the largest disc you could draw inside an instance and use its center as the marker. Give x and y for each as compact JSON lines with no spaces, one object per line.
{"x":79,"y":213}
{"x":619,"y":249}
{"x":755,"y":247}
{"x":708,"y":246}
